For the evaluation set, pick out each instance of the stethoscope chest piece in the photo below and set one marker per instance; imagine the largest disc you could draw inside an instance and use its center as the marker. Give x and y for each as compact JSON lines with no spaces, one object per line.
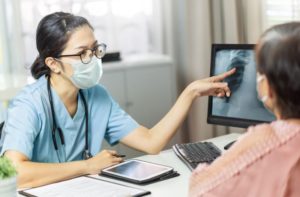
{"x":86,"y":154}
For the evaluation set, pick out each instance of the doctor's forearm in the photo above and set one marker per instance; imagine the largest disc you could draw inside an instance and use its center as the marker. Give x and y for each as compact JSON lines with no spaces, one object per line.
{"x":31,"y":174}
{"x":163,"y":131}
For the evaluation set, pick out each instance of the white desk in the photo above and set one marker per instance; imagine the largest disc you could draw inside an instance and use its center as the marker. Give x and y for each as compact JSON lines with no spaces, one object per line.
{"x":177,"y":186}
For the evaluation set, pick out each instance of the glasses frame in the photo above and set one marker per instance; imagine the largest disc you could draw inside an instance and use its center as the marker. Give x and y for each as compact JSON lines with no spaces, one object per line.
{"x":93,"y":52}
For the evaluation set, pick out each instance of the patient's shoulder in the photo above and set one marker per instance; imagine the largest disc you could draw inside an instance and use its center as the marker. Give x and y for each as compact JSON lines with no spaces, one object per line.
{"x":254,"y":135}
{"x":260,"y":129}
{"x":279,"y":130}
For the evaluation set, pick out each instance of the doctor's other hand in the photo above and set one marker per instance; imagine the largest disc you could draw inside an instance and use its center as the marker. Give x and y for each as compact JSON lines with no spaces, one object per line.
{"x":212,"y":86}
{"x":102,"y":160}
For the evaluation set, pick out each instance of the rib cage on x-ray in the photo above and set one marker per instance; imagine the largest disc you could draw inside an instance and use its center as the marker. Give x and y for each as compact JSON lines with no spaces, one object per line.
{"x":243,"y":102}
{"x":237,"y":59}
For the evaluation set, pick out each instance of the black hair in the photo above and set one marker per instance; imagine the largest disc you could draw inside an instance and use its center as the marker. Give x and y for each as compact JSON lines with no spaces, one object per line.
{"x":52,"y":35}
{"x":278,"y":57}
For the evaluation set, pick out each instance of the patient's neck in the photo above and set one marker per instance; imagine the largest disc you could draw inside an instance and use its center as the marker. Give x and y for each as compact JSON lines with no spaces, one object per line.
{"x":279,"y":116}
{"x":294,"y":121}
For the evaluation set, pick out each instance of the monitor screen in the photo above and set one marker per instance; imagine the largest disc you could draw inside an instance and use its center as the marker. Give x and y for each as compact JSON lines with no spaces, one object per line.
{"x":242,"y":108}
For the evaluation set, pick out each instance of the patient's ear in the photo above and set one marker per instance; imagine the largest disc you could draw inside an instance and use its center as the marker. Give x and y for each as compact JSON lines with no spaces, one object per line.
{"x":53,"y":65}
{"x":271,"y":102}
{"x":269,"y":90}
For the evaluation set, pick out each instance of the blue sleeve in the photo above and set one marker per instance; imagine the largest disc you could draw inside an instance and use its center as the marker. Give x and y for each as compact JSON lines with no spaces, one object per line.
{"x":119,"y":124}
{"x":21,"y":126}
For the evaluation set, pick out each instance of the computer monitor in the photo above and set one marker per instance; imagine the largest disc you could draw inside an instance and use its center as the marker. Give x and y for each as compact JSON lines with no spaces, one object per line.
{"x":242,"y":108}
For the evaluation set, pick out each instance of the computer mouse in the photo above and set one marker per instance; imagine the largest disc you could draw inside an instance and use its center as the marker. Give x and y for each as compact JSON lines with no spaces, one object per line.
{"x":227,"y":146}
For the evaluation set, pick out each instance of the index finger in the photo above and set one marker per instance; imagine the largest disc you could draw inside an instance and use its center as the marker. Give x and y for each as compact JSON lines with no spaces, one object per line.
{"x":223,"y":75}
{"x":112,"y":152}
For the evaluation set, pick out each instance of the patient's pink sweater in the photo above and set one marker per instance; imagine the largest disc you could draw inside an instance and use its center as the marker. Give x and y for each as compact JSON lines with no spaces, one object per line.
{"x":263,"y":162}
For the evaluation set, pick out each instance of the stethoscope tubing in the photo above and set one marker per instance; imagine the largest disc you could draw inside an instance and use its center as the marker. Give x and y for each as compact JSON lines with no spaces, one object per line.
{"x":86,"y":152}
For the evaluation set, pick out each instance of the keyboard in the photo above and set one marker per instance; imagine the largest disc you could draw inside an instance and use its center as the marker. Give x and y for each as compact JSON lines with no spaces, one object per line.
{"x":194,"y":153}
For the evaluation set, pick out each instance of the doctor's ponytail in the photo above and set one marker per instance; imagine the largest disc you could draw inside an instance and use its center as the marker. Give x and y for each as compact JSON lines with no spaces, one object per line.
{"x":52,"y":35}
{"x":39,"y":68}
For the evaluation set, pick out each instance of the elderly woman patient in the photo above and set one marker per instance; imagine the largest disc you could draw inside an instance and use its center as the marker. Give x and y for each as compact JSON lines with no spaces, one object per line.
{"x":266,"y":160}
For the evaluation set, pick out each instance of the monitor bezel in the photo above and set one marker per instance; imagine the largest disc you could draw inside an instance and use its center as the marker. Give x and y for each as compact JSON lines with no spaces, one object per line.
{"x":222,"y":120}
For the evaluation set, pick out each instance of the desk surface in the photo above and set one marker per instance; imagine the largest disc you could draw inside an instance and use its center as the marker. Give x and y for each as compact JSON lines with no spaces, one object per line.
{"x":177,"y":186}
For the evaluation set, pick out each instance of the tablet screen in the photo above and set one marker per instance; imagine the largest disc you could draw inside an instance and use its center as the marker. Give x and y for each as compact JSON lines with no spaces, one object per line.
{"x":138,"y":170}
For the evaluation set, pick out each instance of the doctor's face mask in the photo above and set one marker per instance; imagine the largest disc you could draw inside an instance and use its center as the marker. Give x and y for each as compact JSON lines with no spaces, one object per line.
{"x":87,"y":75}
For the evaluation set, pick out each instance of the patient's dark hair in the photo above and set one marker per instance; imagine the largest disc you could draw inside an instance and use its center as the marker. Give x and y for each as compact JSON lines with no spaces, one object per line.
{"x":278,"y":57}
{"x":52,"y":35}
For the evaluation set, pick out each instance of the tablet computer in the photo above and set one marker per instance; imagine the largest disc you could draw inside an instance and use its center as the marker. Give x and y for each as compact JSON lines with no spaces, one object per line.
{"x":137,"y":171}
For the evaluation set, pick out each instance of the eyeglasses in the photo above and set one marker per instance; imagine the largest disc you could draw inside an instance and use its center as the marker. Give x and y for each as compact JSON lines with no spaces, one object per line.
{"x":87,"y":54}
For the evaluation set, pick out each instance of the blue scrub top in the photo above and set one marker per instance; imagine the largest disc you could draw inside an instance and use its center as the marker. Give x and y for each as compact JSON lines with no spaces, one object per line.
{"x":29,"y":121}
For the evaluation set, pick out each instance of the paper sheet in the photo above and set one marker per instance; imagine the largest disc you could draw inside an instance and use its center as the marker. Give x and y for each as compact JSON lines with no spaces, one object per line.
{"x":85,"y":187}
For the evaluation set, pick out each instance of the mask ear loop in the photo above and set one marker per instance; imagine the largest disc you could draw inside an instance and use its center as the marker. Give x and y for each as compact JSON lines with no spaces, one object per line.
{"x":264,"y":99}
{"x":259,"y":78}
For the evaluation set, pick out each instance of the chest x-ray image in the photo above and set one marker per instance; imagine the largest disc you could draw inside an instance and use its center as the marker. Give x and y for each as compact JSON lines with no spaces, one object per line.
{"x":243,"y":102}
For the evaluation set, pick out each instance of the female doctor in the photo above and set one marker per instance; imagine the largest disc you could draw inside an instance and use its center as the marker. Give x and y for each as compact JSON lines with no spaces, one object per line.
{"x":55,"y":126}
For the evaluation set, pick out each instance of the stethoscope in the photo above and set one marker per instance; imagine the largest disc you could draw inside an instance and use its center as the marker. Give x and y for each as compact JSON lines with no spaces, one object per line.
{"x":86,"y":153}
